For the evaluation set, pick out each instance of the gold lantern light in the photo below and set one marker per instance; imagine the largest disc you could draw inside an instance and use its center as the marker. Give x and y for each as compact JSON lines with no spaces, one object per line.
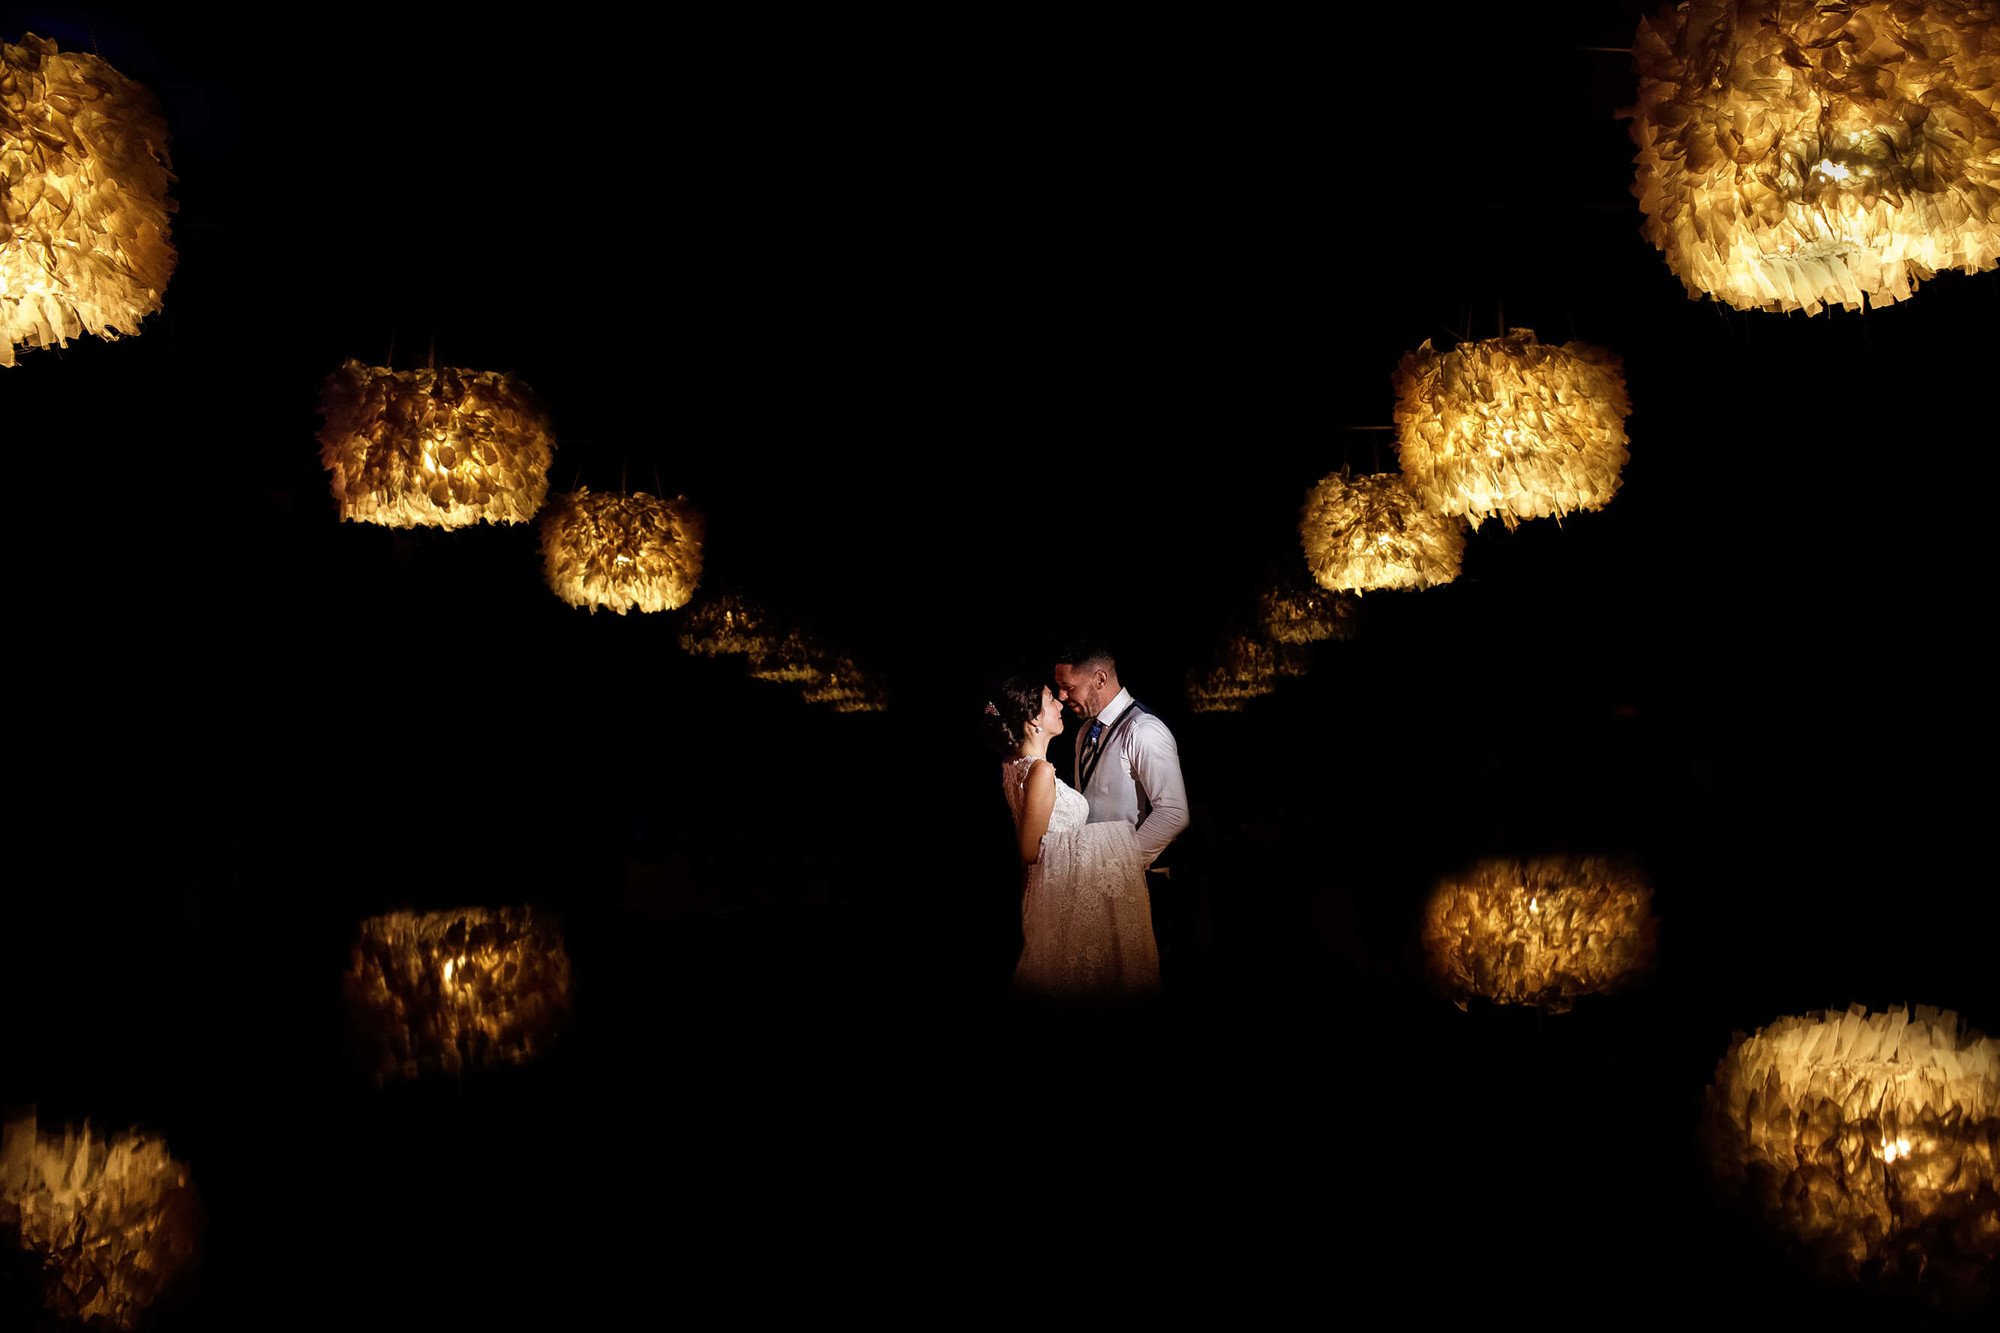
{"x":116,"y":1219}
{"x":621,"y":551}
{"x":1511,"y":426}
{"x":1795,"y":154}
{"x":791,"y":658}
{"x":434,"y":447}
{"x":1362,"y":533}
{"x":1245,"y":669}
{"x":84,"y":173}
{"x":846,"y":688}
{"x":455,"y":990}
{"x":1299,"y":615}
{"x":1863,"y":1139}
{"x":726,"y":625}
{"x":1540,"y":932}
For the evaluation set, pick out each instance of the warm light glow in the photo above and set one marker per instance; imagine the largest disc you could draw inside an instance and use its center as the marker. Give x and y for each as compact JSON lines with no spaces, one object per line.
{"x":1511,"y":427}
{"x":623,"y":552}
{"x":1306,"y":614}
{"x":1363,"y":533}
{"x":1891,"y":101}
{"x":1245,"y":669}
{"x":116,"y":1219}
{"x":455,"y":990}
{"x":1487,"y":932}
{"x":443,"y":448}
{"x":727,"y":624}
{"x":84,"y":173}
{"x":1861,"y":1139}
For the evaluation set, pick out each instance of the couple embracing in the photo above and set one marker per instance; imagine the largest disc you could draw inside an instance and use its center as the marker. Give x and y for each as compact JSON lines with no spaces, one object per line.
{"x":1087,"y":849}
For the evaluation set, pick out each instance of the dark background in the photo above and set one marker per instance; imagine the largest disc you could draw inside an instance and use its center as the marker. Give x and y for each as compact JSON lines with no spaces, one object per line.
{"x":967,"y":334}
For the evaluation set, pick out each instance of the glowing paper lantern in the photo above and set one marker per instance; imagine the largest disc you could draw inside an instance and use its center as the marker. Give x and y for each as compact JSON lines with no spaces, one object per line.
{"x":727,"y":624}
{"x":1511,"y":426}
{"x":1297,"y":615}
{"x":846,"y":688}
{"x":621,"y":551}
{"x":1794,"y":154}
{"x":83,"y":198}
{"x":1247,"y":669}
{"x":444,"y":448}
{"x":1859,"y":1138}
{"x":1539,"y":932}
{"x":1362,"y":533}
{"x":455,"y":990}
{"x":116,"y":1219}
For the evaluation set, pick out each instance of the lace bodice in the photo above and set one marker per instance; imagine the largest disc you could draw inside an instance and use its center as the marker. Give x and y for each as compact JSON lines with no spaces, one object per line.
{"x":1071,"y":811}
{"x":1086,"y":919}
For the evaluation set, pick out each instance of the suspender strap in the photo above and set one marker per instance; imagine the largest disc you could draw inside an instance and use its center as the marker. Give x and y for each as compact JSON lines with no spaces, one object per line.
{"x":1104,"y":743}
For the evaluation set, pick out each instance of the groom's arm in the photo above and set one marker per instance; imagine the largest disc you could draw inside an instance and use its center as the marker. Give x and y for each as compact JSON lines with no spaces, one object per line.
{"x":1156,"y":767}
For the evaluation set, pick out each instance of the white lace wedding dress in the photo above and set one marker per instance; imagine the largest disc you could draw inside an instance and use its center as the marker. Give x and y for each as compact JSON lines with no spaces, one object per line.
{"x":1086,"y":918}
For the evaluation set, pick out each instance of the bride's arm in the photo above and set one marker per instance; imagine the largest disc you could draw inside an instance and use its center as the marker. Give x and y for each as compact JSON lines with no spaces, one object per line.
{"x":1036,"y":809}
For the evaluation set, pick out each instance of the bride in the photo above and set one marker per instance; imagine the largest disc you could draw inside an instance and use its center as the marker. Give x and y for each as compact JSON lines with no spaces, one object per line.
{"x":1086,"y":919}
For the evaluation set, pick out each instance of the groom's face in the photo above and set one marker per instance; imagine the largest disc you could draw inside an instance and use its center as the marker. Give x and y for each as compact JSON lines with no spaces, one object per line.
{"x":1080,"y":691}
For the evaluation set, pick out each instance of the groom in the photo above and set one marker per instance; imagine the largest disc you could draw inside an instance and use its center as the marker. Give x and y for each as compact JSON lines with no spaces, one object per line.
{"x":1127,"y":766}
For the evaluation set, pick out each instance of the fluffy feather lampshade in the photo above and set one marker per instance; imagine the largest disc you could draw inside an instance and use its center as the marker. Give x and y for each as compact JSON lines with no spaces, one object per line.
{"x":1305,"y":615}
{"x":1511,"y":426}
{"x":455,"y":990}
{"x":726,"y":625}
{"x":1796,"y":154}
{"x":1363,"y":533}
{"x":1245,"y":669}
{"x":625,"y":552}
{"x":1541,"y":932}
{"x":116,"y":1219}
{"x":84,"y":173}
{"x":1862,"y":1139}
{"x":437,"y":447}
{"x":791,"y":658}
{"x":846,"y":688}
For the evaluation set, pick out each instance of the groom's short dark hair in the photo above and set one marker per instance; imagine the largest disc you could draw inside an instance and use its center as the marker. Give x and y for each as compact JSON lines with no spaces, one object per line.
{"x":1088,"y":653}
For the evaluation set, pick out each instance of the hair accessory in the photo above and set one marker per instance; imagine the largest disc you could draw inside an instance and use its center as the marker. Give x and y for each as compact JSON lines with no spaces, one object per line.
{"x":991,"y":711}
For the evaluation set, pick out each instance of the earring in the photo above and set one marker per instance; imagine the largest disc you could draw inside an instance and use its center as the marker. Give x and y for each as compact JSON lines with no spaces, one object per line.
{"x":1037,"y":726}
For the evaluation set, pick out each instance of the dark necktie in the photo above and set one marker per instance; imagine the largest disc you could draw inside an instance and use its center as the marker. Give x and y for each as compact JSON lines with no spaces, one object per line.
{"x":1089,"y":752}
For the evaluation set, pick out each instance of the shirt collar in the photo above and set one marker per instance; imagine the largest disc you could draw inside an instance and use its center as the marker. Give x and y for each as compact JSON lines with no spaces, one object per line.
{"x":1119,"y":703}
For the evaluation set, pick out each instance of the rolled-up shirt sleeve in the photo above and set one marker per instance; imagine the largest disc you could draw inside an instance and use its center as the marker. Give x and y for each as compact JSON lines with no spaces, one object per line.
{"x":1156,"y":768}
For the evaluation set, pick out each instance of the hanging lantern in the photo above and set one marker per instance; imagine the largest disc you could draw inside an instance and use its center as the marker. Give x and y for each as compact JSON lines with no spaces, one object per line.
{"x":1298,"y":615}
{"x":1795,"y":154}
{"x":441,"y":448}
{"x":621,"y":551}
{"x":1860,"y":1139}
{"x":1362,"y":533}
{"x":846,"y":688}
{"x":793,"y":659}
{"x":1539,"y":932}
{"x":1246,"y":669}
{"x":84,"y":172}
{"x":1512,"y":427}
{"x":455,"y":990}
{"x":116,"y":1219}
{"x":727,"y":624}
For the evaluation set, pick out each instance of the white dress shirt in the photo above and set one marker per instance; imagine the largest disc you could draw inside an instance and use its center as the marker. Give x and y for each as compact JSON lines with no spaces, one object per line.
{"x":1137,"y":778}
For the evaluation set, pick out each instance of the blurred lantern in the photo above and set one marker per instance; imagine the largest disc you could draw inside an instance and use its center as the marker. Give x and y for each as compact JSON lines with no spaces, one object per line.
{"x":1513,"y":427}
{"x":1362,"y":533}
{"x":727,"y":624}
{"x":1864,"y":1139}
{"x":83,"y":198}
{"x":455,"y":990}
{"x":846,"y":688}
{"x":444,"y":448}
{"x":621,"y":551}
{"x":792,"y":658}
{"x":1299,"y":615}
{"x":1794,"y":154}
{"x":116,"y":1219}
{"x":1539,"y":932}
{"x":1246,"y":669}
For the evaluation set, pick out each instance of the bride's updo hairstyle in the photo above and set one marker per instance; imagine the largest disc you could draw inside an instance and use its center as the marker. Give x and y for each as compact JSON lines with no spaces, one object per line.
{"x":1015,"y":702}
